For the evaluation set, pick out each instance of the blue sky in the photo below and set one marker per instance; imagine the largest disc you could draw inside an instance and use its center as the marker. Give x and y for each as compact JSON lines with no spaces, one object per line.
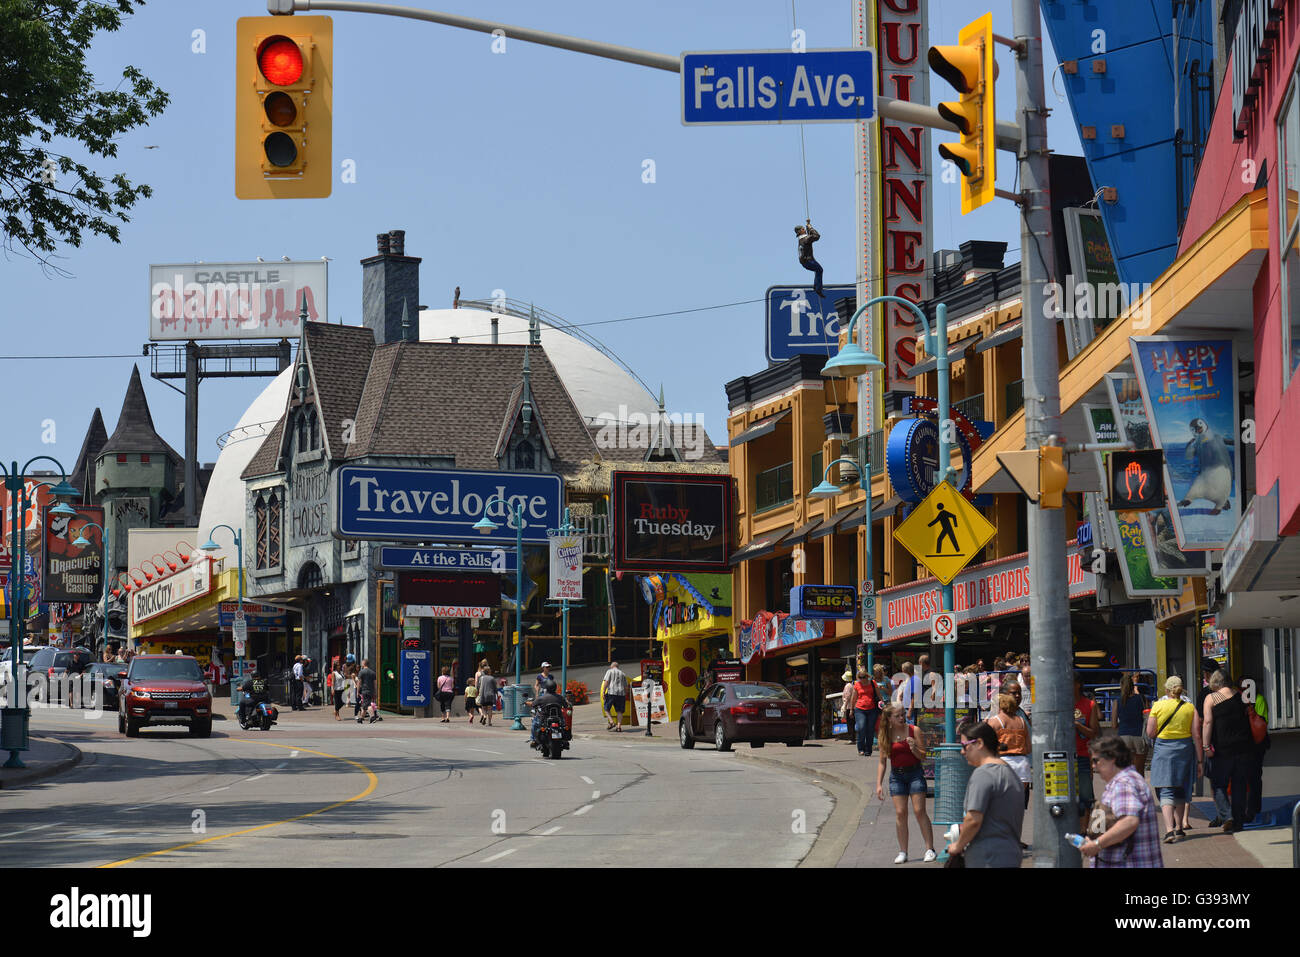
{"x":519,"y":171}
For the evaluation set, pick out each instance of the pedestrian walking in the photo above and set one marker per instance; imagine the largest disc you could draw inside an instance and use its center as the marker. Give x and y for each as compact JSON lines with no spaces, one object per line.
{"x":471,"y":700}
{"x":308,"y":673}
{"x":1129,"y":834}
{"x":353,"y":689}
{"x":295,"y":684}
{"x":487,"y":695}
{"x":613,"y":696}
{"x":1175,"y":728}
{"x":883,"y":687}
{"x":901,"y":751}
{"x":995,"y":816}
{"x":1129,"y":714}
{"x":1087,"y":725}
{"x":545,"y":681}
{"x":1012,"y":732}
{"x":866,"y":711}
{"x":1257,"y":715}
{"x":847,"y":695}
{"x":1229,"y":751}
{"x":445,"y":692}
{"x":366,"y":682}
{"x":336,"y":688}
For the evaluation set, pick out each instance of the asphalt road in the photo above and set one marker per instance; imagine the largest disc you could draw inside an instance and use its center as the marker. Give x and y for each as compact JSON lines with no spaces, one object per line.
{"x":402,"y":793}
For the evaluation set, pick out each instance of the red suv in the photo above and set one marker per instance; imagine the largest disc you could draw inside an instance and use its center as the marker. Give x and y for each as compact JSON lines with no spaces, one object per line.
{"x":164,"y":689}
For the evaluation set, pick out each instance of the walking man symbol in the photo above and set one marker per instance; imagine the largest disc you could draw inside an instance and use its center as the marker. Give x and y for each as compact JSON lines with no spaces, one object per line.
{"x":946,"y":521}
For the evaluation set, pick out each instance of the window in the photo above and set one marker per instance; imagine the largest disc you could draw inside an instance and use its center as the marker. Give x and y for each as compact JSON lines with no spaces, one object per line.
{"x":308,"y":431}
{"x":1289,"y":153}
{"x":266,"y":516}
{"x":774,"y":487}
{"x":144,"y":459}
{"x":525,"y":456}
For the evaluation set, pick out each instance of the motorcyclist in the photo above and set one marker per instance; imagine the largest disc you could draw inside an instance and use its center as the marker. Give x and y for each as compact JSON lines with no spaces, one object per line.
{"x":540,"y":703}
{"x":252,"y":691}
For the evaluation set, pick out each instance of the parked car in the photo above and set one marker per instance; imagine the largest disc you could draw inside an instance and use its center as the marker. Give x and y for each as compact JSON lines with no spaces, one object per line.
{"x":7,"y":664}
{"x":108,"y":676}
{"x":48,"y":665}
{"x":752,"y":711}
{"x":164,"y":689}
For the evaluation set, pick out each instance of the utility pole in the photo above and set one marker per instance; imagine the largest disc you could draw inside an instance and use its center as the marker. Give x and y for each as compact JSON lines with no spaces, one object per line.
{"x":1050,"y":646}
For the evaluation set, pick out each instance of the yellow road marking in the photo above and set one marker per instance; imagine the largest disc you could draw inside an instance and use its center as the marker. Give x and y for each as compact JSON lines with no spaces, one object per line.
{"x":374,"y":782}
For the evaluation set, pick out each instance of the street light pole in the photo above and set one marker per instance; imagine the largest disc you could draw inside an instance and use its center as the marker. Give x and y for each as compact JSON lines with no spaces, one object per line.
{"x":16,"y":716}
{"x":487,"y":526}
{"x":853,"y":360}
{"x":211,"y":546}
{"x":1049,"y":604}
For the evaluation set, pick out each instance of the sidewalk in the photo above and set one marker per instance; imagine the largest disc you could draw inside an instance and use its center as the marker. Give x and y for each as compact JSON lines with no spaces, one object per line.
{"x":46,"y":758}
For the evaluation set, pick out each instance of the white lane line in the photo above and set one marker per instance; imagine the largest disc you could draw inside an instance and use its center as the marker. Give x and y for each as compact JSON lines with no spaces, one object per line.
{"x":595,"y":795}
{"x":257,"y":777}
{"x":484,"y":751}
{"x":497,"y":857}
{"x":38,"y":827}
{"x":582,"y":810}
{"x":587,"y":779}
{"x":215,"y":790}
{"x":293,"y":754}
{"x":550,"y":831}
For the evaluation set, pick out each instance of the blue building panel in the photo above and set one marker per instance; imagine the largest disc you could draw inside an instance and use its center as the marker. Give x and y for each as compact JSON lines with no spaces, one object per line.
{"x":1135,"y":39}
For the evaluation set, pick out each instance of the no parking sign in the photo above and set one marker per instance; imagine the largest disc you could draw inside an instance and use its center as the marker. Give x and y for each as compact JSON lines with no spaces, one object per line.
{"x":943,"y":628}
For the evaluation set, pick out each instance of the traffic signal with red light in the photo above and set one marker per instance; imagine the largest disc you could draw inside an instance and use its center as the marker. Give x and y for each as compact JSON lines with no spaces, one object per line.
{"x":283,"y":107}
{"x":969,"y":67}
{"x":1137,"y":480}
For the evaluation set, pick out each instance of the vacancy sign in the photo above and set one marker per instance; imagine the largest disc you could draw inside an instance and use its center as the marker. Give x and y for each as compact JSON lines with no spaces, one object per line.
{"x":566,"y":567}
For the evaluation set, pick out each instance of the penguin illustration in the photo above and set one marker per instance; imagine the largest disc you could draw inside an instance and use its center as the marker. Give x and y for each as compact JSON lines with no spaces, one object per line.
{"x":1213,"y":480}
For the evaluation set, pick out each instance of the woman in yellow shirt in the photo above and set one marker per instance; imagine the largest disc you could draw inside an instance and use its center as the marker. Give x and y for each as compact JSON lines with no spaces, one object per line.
{"x":1175,"y":727}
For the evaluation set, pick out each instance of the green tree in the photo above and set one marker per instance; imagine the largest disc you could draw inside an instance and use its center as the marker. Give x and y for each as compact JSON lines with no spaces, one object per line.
{"x":51,"y":106}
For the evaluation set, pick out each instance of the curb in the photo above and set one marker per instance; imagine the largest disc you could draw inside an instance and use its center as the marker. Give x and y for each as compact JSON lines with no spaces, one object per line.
{"x":38,"y":774}
{"x":841,"y":826}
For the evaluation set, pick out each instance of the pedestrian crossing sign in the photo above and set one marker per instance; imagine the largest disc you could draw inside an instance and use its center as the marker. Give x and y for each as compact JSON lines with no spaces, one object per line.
{"x":945,"y":532}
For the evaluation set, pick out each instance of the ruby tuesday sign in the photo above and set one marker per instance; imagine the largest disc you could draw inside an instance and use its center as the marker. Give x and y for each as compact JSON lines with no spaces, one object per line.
{"x":442,"y":505}
{"x":665,"y":522}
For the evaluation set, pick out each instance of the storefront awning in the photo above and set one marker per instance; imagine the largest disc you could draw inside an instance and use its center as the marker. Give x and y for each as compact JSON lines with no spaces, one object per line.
{"x":852,"y":517}
{"x":1260,"y":579}
{"x":955,"y":352}
{"x":760,"y":429}
{"x":1003,"y":335}
{"x":804,"y":532}
{"x":763,"y":545}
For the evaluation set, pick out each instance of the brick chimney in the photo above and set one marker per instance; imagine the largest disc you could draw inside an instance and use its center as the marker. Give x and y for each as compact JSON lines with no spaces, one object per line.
{"x":390,"y":280}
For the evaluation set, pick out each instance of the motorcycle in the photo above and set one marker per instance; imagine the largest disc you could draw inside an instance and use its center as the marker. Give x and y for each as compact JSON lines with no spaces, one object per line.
{"x":261,"y":714}
{"x":554,"y":731}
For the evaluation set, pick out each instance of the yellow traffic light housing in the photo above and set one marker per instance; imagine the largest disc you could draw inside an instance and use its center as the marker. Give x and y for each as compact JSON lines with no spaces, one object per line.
{"x":1053,"y":476}
{"x":969,"y":67}
{"x":283,"y":107}
{"x":1039,"y":473}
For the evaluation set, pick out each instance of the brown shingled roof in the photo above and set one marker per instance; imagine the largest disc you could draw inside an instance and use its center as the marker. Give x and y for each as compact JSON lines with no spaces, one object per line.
{"x":435,"y":398}
{"x":135,"y":431}
{"x":264,"y":460}
{"x":339,"y":357}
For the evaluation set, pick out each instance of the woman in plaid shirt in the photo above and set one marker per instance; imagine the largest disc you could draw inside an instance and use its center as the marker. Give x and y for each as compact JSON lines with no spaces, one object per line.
{"x":1134,"y":839}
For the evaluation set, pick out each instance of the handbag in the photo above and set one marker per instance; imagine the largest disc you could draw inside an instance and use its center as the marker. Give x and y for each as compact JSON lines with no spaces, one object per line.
{"x":1258,"y":726}
{"x":956,"y":860}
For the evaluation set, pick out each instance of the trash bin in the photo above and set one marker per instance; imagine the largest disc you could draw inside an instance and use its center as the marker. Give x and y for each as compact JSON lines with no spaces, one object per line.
{"x":951,"y":774}
{"x":512,"y":704}
{"x":14,"y":724}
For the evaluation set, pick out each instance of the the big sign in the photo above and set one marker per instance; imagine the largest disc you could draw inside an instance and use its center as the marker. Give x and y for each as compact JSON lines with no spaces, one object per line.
{"x":441,"y":505}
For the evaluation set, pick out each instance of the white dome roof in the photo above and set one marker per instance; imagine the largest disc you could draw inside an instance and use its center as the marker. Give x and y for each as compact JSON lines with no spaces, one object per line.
{"x":598,"y":384}
{"x":224,"y":502}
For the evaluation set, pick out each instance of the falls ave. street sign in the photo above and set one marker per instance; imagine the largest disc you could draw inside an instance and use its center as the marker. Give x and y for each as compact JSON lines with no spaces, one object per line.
{"x":726,"y":87}
{"x":441,"y":505}
{"x":944,"y":532}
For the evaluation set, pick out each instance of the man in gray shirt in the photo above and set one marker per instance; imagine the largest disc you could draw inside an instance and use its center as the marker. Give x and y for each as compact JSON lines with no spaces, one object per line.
{"x":995,"y":810}
{"x":613,"y":690}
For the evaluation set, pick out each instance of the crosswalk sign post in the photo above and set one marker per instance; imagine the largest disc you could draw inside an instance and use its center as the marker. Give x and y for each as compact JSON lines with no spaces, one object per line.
{"x":945,"y":532}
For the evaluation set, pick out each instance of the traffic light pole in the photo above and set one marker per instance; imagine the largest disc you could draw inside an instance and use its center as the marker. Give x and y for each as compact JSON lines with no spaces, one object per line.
{"x":1050,"y":645}
{"x":1008,"y":134}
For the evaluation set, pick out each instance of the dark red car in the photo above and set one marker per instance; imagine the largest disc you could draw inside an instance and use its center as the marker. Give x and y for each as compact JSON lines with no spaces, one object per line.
{"x":164,"y":689}
{"x":753,"y":711}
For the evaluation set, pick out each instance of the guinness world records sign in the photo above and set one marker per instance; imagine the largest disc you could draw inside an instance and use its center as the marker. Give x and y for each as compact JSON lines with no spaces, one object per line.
{"x":912,"y":458}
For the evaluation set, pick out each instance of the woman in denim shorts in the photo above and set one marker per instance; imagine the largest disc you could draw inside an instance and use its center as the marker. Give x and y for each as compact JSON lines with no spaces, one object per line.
{"x":900,"y":747}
